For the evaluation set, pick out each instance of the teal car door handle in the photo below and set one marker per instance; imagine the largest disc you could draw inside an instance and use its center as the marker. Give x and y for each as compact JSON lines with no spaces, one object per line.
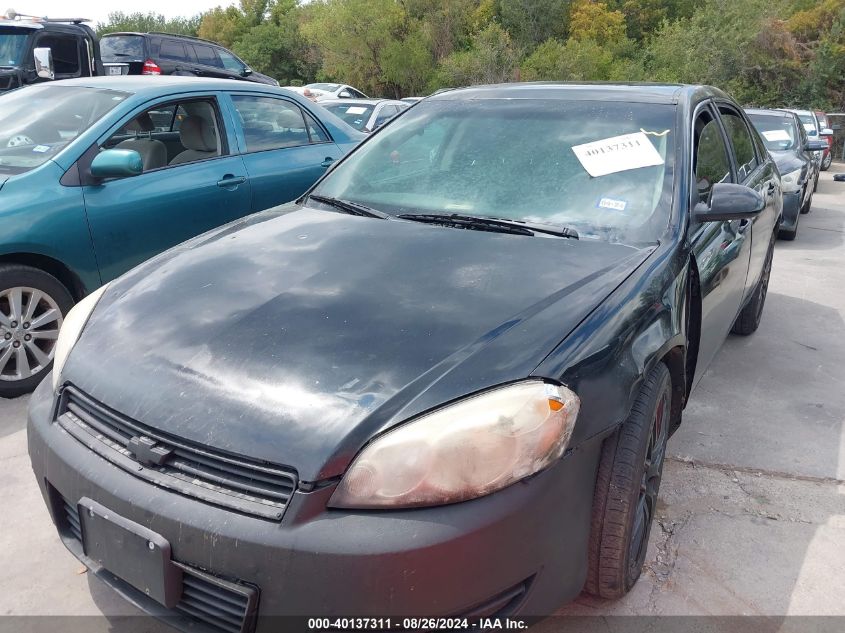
{"x":327,"y":162}
{"x":230,"y":181}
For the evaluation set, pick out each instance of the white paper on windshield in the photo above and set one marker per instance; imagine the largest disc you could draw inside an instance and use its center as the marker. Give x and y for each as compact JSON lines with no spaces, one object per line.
{"x":809,"y":127}
{"x":356,"y":110}
{"x":618,"y":153}
{"x":777,"y":135}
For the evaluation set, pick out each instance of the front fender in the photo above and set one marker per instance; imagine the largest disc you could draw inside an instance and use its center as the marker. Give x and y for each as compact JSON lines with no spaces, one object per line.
{"x":607,"y":357}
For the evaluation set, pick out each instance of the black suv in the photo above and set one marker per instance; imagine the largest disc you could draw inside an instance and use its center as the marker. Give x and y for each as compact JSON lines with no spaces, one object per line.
{"x":165,"y":54}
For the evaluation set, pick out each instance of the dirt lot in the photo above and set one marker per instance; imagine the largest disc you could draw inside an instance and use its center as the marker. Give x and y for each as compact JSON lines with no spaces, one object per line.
{"x":752,"y":516}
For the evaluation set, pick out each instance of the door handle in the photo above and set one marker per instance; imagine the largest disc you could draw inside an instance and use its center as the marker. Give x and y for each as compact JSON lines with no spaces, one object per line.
{"x":327,"y":162}
{"x":231,"y":181}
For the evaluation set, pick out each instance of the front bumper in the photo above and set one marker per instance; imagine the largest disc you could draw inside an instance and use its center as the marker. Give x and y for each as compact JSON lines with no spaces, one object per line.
{"x":529,"y":539}
{"x":791,"y":210}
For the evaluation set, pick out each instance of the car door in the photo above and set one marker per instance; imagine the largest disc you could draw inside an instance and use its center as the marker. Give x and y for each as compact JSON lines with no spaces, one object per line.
{"x":722,"y":249}
{"x":174,"y":57}
{"x":134,"y":218}
{"x":757,"y":172}
{"x":284,"y":148}
{"x":209,"y":64}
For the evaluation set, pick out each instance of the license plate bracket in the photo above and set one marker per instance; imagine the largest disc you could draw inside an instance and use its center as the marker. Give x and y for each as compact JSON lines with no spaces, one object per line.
{"x":130,"y":551}
{"x":115,"y":70}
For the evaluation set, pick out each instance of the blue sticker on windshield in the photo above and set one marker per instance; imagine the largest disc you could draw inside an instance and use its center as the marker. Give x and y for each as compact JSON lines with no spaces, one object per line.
{"x":41,"y":148}
{"x":612,"y":203}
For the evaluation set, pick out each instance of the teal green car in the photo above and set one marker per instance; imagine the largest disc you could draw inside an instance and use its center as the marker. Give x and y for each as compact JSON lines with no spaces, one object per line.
{"x":100,"y":174}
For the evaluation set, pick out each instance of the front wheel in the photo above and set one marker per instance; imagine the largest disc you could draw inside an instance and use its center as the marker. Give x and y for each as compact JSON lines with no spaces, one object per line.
{"x":32,"y":306}
{"x":627,"y":483}
{"x":826,"y":161}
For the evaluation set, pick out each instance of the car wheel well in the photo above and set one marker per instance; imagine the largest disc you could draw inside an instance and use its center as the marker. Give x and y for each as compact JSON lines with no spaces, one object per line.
{"x":51,"y":266}
{"x":674,"y":360}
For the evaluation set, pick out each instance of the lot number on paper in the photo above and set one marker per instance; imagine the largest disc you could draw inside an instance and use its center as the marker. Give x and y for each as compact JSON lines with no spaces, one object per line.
{"x":619,"y":153}
{"x":356,"y":110}
{"x":777,"y":135}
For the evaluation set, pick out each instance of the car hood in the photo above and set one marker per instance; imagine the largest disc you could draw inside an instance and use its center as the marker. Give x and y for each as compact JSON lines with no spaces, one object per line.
{"x":787,"y":161}
{"x":296,"y":335}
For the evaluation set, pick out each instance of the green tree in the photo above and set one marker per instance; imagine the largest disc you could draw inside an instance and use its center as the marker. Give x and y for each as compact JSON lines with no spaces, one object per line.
{"x":491,"y":58}
{"x":352,"y":36}
{"x":146,"y":22}
{"x":530,"y":22}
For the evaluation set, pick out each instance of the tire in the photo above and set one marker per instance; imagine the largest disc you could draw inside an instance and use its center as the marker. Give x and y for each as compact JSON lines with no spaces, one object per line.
{"x":826,"y":161}
{"x":749,"y":318}
{"x":627,"y":484}
{"x":28,"y":293}
{"x":816,"y":185}
{"x":807,"y":206}
{"x":788,"y":236}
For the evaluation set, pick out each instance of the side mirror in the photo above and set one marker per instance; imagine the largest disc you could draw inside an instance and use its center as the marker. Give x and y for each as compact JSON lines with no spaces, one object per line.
{"x":117,"y":163}
{"x":730,"y":202}
{"x":246,"y":72}
{"x":815,"y":145}
{"x":827,"y":132}
{"x":345,"y":94}
{"x":44,"y":63}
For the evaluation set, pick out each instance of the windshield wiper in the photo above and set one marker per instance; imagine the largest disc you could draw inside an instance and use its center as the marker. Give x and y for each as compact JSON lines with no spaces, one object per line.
{"x":352,"y":208}
{"x":483,"y":223}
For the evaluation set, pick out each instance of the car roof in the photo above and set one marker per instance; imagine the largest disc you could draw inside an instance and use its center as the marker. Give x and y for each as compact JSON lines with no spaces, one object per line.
{"x":141,"y":84}
{"x":598,"y":91}
{"x":796,"y":111}
{"x":768,"y":112}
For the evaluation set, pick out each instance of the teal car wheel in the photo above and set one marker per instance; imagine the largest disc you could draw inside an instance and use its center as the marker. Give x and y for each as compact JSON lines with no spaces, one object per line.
{"x":32,"y":307}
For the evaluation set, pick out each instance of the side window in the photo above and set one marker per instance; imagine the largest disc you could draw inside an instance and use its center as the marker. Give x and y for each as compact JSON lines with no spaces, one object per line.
{"x":356,"y":94}
{"x":65,"y":50}
{"x":230,"y":62}
{"x":206,"y":55}
{"x":740,"y":137}
{"x":174,"y":51}
{"x":387,"y":113}
{"x":710,"y":160}
{"x":150,"y":134}
{"x":315,"y":130}
{"x":270,"y":123}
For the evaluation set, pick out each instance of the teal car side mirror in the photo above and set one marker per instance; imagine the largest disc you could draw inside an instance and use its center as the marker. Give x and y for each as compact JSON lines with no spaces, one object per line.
{"x":117,"y":163}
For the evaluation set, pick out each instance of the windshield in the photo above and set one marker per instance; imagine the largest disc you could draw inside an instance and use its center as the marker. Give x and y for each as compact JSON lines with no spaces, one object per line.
{"x":122,"y":48}
{"x":809,"y":123}
{"x":326,"y":87}
{"x":779,"y":132}
{"x":355,"y":115}
{"x":12,"y":47}
{"x":39,"y":121}
{"x":547,"y":161}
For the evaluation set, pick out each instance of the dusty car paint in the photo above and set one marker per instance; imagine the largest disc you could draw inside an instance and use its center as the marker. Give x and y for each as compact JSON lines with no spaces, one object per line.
{"x":337,"y":328}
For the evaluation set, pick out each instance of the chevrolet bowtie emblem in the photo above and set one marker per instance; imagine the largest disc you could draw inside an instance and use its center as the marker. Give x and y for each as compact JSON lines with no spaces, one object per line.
{"x":146,"y":451}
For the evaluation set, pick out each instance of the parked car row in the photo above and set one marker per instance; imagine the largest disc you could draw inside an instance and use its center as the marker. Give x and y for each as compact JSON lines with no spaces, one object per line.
{"x":795,"y":142}
{"x":100,"y":174}
{"x":463,"y":347}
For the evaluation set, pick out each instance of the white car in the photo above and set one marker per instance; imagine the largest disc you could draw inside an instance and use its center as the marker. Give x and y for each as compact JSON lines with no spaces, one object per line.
{"x":335,"y":91}
{"x":365,"y":115}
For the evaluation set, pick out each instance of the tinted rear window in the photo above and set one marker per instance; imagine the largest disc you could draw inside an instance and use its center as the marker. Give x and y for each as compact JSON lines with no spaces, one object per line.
{"x":119,"y":48}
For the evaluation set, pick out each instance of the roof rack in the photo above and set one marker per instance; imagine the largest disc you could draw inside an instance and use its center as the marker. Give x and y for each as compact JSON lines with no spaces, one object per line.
{"x":187,"y":37}
{"x":11,"y":14}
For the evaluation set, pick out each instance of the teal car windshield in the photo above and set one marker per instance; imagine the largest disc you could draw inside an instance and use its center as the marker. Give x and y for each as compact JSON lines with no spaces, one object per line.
{"x":40,"y":121}
{"x":603,"y":168}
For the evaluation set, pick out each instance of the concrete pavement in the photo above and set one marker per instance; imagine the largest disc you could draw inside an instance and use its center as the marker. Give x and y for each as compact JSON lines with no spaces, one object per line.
{"x":752,"y":511}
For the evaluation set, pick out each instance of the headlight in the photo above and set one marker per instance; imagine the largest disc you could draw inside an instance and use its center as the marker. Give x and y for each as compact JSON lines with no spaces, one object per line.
{"x":463,"y":450}
{"x":792,"y":181}
{"x":72,"y":327}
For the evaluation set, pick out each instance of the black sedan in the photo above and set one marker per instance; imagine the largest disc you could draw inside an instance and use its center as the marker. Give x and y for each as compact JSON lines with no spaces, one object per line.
{"x":787,"y":141}
{"x":440,"y":383}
